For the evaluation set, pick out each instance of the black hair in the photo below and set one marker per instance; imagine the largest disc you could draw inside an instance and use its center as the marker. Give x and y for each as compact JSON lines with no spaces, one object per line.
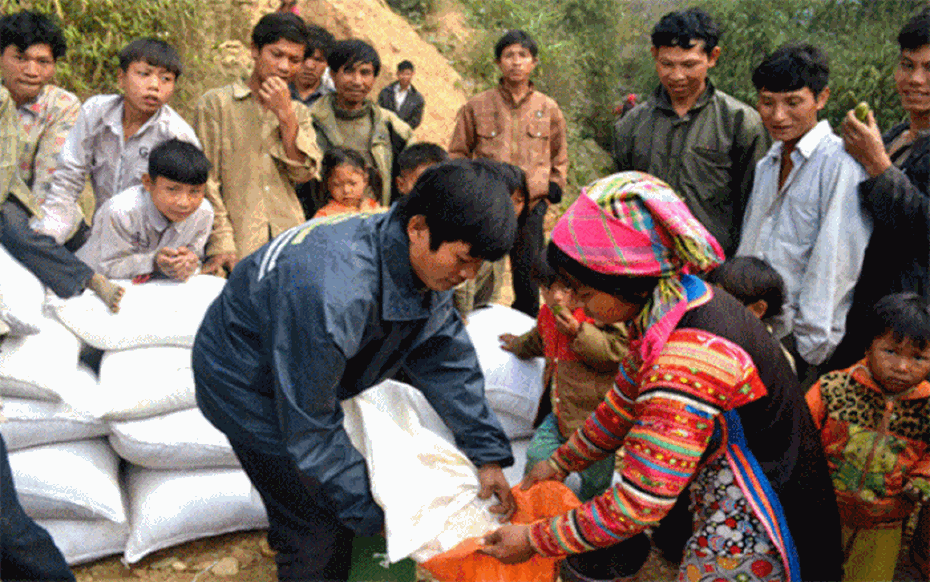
{"x":791,"y":67}
{"x":514,"y":178}
{"x":463,"y":201}
{"x":180,"y":161}
{"x":916,"y":32}
{"x":277,"y":25}
{"x":542,"y":273}
{"x":318,"y":39}
{"x":751,"y":279}
{"x":515,"y":37}
{"x":348,"y":53}
{"x":153,"y":51}
{"x":635,"y":290}
{"x":419,"y":154}
{"x":404,"y":65}
{"x":338,"y":156}
{"x":26,"y":28}
{"x":906,"y":315}
{"x":682,"y":28}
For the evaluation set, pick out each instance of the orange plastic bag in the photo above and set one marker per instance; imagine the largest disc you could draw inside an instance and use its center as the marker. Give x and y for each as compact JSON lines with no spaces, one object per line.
{"x":464,"y":563}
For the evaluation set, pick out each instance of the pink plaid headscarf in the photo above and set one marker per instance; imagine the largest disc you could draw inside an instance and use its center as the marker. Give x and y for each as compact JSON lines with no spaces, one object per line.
{"x":633,"y":224}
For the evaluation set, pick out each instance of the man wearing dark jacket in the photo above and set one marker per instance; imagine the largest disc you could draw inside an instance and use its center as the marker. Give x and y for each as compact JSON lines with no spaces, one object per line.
{"x":329,"y":309}
{"x":402,"y":97}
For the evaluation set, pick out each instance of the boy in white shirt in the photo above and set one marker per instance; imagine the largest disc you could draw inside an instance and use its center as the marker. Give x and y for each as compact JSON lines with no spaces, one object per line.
{"x":160,"y":227}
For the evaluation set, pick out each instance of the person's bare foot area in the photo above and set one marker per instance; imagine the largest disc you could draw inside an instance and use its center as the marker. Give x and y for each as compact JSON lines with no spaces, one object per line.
{"x":107,"y":290}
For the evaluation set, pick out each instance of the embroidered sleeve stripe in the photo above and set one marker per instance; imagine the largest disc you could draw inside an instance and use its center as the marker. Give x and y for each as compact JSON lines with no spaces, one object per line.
{"x":700,"y":406}
{"x":646,"y":497}
{"x":633,"y":456}
{"x":688,"y":452}
{"x":573,"y":532}
{"x":621,"y":408}
{"x":603,"y":435}
{"x":618,"y":392}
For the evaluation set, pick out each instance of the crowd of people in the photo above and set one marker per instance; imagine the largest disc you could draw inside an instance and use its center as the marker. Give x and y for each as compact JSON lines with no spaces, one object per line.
{"x":737,"y":342}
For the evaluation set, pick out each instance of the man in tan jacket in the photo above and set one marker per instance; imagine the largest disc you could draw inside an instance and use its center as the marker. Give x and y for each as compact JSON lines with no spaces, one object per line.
{"x":516,"y":124}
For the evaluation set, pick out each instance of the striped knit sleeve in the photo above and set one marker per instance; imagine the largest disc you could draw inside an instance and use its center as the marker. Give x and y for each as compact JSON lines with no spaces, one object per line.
{"x":697,"y":377}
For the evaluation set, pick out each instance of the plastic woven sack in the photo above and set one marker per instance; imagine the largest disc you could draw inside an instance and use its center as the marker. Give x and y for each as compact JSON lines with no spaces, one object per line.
{"x":464,"y":563}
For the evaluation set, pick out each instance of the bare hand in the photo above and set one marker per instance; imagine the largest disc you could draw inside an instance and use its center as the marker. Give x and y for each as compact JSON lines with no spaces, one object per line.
{"x":541,"y":471}
{"x":863,"y":142}
{"x":566,"y":323}
{"x":179,"y":264}
{"x":507,"y":342}
{"x":510,"y":544}
{"x":220,"y":264}
{"x":275,"y":95}
{"x":493,"y":482}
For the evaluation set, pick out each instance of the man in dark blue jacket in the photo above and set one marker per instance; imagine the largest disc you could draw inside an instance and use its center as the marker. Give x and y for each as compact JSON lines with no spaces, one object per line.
{"x":323,"y":312}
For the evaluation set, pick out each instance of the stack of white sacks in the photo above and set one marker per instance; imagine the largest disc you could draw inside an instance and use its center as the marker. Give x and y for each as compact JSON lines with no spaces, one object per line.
{"x":68,"y":431}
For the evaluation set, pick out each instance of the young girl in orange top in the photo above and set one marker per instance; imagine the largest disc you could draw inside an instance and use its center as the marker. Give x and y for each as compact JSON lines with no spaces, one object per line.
{"x":347,"y":179}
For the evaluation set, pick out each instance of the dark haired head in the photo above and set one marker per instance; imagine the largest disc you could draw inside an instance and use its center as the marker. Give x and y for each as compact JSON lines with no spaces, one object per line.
{"x":905,"y":315}
{"x":916,"y":33}
{"x":683,"y":28}
{"x":635,"y":290}
{"x":339,"y":156}
{"x":512,"y":37}
{"x":751,"y":279}
{"x":26,"y":28}
{"x":420,"y":154}
{"x":463,"y":201}
{"x":277,"y":25}
{"x":404,"y":66}
{"x":513,"y":177}
{"x":348,"y":53}
{"x":792,"y":67}
{"x":152,"y":51}
{"x":180,"y":161}
{"x":318,"y":39}
{"x":542,"y":273}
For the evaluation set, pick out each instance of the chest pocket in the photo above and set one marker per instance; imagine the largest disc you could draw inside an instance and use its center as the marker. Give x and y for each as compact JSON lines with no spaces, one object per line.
{"x":490,"y":136}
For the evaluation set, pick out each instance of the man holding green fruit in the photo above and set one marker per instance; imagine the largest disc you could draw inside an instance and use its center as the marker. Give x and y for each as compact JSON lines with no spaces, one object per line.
{"x":895,"y":195}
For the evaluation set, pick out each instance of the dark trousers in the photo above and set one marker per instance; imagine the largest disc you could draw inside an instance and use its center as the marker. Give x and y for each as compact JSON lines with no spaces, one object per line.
{"x":53,"y":264}
{"x":312,"y":544}
{"x":27,"y":552}
{"x":526,"y":249}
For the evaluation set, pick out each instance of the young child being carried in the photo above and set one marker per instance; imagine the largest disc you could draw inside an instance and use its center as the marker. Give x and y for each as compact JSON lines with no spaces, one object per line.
{"x":348,"y":181}
{"x":756,"y":285}
{"x":874,"y":419}
{"x":582,"y":358}
{"x":160,"y":227}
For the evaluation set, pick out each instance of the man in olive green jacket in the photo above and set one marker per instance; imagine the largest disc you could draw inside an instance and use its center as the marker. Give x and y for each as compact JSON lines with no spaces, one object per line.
{"x":347,"y":118}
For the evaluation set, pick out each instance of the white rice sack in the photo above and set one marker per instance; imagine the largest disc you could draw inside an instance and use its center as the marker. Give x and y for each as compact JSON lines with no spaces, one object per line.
{"x":168,"y":508}
{"x":177,"y":440}
{"x":157,"y":313}
{"x":404,"y":442}
{"x":40,"y":366}
{"x":20,"y":291}
{"x":82,"y":541}
{"x":30,"y":423}
{"x":143,"y":382}
{"x":76,"y":480}
{"x":513,"y":386}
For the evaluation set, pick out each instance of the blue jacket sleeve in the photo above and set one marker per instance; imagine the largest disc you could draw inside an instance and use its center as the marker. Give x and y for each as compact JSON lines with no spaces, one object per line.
{"x":444,"y":366}
{"x":307,"y":367}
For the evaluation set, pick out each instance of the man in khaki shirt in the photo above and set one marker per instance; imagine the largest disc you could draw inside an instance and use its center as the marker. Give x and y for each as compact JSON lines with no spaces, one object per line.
{"x":516,"y":124}
{"x":260,"y":144}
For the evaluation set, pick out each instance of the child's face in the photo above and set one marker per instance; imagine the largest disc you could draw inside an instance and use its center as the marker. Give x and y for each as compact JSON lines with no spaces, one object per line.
{"x":346,"y":185}
{"x":557,"y":295}
{"x":175,"y":200}
{"x":146,"y":87}
{"x":406,"y":179}
{"x":897,"y":364}
{"x":311,"y":70}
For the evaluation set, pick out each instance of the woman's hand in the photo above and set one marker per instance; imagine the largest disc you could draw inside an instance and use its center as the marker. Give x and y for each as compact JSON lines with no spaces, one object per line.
{"x":510,"y":544}
{"x":541,"y":471}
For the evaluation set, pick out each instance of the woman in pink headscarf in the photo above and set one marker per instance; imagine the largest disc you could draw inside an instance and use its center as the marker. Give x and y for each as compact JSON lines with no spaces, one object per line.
{"x":705,"y":399}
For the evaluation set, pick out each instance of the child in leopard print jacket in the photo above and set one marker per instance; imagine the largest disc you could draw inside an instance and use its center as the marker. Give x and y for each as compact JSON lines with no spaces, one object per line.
{"x":874,"y":419}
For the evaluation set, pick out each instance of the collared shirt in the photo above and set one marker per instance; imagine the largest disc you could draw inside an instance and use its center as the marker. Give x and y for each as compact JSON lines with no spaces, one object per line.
{"x":129,"y":231}
{"x":251,"y":184}
{"x":322,"y":89}
{"x":400,"y":95}
{"x":707,"y":155}
{"x":95,"y":148}
{"x":814,"y":233}
{"x":529,"y":134}
{"x":46,"y":122}
{"x":11,"y":144}
{"x":323,"y":312}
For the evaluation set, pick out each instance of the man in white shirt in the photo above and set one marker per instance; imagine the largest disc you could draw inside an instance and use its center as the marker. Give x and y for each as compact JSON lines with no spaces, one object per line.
{"x":803,"y":215}
{"x":402,"y":97}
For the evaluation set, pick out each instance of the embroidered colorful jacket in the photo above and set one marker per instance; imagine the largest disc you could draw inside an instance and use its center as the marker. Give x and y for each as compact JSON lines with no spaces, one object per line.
{"x":875,"y":444}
